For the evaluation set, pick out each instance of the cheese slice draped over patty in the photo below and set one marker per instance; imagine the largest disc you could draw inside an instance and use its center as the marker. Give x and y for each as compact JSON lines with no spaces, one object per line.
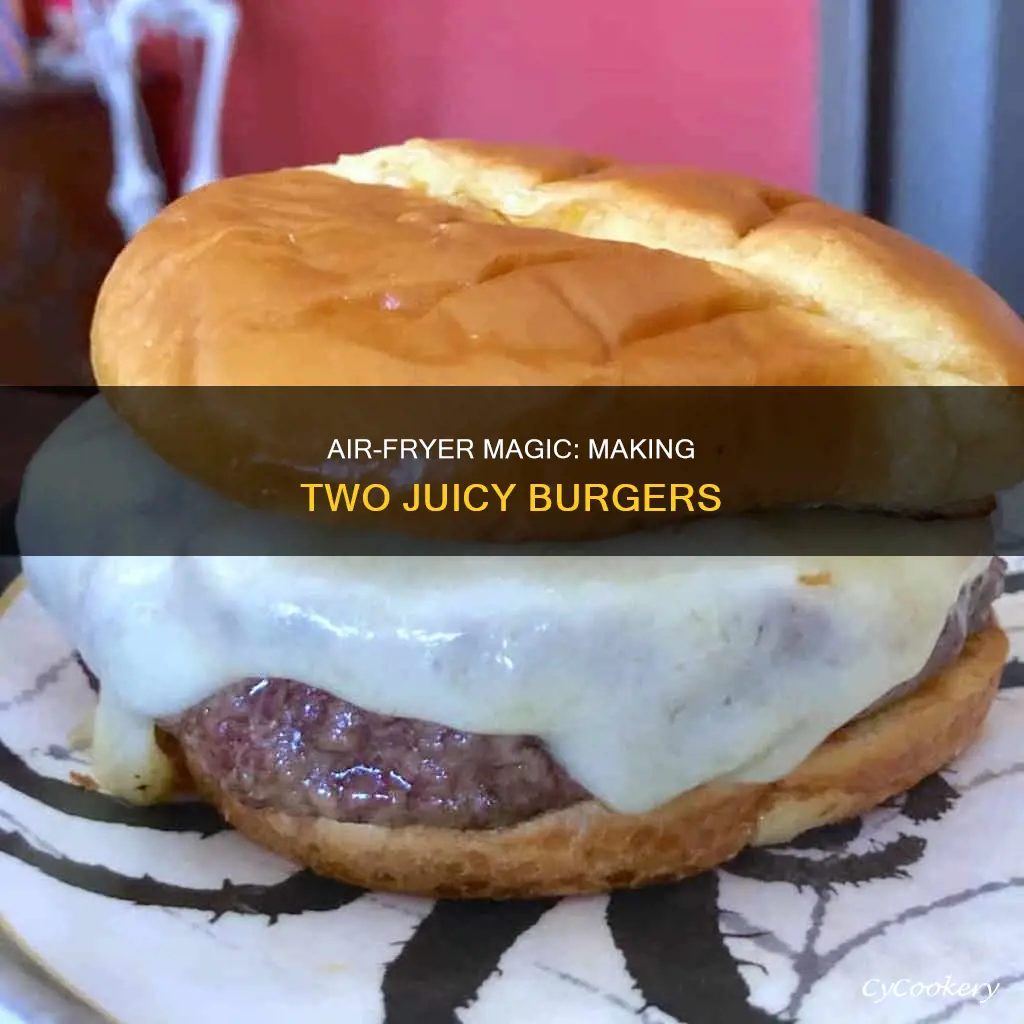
{"x":645,"y":674}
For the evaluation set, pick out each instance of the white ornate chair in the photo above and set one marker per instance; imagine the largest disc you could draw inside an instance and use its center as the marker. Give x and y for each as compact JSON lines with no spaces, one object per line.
{"x":111,"y":31}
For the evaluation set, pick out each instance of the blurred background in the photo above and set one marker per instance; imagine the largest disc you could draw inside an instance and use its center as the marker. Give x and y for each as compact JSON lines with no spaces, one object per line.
{"x":909,"y":110}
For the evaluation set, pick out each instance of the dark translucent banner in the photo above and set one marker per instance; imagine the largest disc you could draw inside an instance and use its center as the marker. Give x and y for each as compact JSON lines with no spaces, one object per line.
{"x":568,"y":471}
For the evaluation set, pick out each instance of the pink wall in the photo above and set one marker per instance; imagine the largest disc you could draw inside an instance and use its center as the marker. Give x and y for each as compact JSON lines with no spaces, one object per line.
{"x":727,"y":84}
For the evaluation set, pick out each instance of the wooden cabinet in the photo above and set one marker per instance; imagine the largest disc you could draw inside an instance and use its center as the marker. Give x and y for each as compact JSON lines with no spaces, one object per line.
{"x":57,"y":236}
{"x":57,"y":241}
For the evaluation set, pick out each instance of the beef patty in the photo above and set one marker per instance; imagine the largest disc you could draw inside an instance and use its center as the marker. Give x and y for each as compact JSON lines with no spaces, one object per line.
{"x":277,"y":743}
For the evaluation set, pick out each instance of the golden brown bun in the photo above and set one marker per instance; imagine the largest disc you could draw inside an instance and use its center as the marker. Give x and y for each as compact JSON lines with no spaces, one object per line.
{"x":516,"y":266}
{"x":587,"y":849}
{"x":188,"y":301}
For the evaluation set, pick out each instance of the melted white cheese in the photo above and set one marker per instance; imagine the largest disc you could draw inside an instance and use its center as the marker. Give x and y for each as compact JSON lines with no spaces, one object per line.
{"x":645,"y":675}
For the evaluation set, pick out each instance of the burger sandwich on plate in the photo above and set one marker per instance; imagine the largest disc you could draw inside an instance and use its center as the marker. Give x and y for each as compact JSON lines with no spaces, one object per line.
{"x":545,"y":723}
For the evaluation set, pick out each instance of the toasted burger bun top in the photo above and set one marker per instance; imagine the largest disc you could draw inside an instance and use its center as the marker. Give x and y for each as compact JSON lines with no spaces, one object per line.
{"x":378,"y":286}
{"x":450,"y":263}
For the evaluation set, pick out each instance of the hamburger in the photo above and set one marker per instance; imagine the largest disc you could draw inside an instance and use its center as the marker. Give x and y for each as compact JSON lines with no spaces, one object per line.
{"x":546,"y":724}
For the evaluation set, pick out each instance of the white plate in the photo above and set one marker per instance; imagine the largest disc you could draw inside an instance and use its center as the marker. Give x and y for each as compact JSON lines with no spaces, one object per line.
{"x":159,"y":916}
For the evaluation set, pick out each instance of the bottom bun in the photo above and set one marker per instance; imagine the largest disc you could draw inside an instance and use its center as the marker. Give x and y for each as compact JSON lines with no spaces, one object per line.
{"x":589,"y":849}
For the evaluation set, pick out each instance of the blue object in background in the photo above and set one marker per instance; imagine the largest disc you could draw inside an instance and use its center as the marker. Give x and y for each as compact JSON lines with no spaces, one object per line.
{"x":14,"y":51}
